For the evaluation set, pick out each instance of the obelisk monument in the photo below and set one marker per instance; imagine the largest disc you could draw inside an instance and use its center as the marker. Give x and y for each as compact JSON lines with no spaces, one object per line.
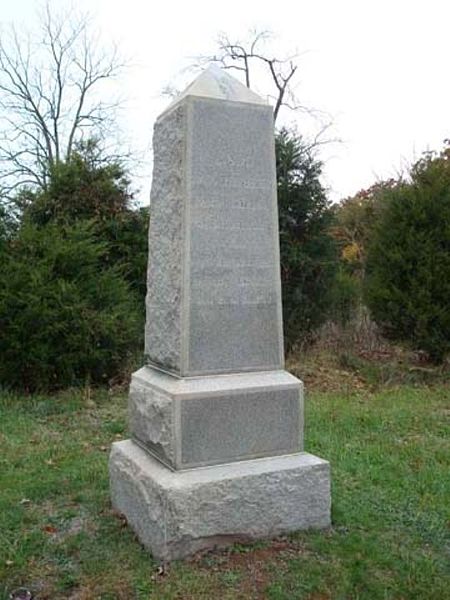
{"x":216,"y":449}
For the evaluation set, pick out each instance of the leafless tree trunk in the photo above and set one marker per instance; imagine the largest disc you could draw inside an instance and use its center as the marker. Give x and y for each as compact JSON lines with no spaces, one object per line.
{"x":49,"y":99}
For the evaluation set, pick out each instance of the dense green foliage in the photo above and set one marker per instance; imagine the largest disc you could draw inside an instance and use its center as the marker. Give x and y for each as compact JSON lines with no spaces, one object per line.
{"x":87,"y":187}
{"x":72,"y":277}
{"x":81,"y":188}
{"x":308,"y":252}
{"x":345,"y":296}
{"x":65,"y":319}
{"x":73,"y":260}
{"x":355,"y":218}
{"x":408,"y":264}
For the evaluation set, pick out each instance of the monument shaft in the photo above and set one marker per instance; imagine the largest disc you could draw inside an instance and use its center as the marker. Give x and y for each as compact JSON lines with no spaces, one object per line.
{"x":214,"y":302}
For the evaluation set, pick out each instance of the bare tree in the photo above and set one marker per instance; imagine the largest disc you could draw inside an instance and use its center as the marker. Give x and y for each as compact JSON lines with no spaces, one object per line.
{"x":247,"y":56}
{"x":49,"y":98}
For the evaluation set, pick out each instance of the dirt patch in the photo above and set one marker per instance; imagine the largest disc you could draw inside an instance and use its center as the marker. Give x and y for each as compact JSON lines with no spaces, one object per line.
{"x":72,"y":527}
{"x":245,"y":571}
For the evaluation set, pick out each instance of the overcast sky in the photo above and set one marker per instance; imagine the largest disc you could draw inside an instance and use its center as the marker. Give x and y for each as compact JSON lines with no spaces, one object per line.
{"x":379,"y":68}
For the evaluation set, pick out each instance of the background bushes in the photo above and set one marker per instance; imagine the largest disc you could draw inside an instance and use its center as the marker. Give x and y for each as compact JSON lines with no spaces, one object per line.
{"x":407,"y":285}
{"x":73,"y":275}
{"x":73,"y":259}
{"x":65,"y":318}
{"x":308,"y":252}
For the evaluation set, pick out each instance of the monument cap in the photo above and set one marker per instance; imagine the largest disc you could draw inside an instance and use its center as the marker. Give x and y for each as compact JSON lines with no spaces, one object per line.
{"x":215,"y":83}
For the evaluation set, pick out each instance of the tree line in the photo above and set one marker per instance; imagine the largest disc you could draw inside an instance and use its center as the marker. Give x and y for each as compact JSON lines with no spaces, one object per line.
{"x":73,"y":240}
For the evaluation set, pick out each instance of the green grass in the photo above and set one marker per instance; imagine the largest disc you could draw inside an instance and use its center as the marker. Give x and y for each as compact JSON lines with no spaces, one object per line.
{"x":390,"y":460}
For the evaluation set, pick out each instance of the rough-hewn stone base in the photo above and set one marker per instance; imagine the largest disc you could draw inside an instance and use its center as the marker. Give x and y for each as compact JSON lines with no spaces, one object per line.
{"x":177,"y":513}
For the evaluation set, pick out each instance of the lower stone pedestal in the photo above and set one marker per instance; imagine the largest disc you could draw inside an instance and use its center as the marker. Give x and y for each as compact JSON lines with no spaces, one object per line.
{"x":202,"y":421}
{"x":177,"y":513}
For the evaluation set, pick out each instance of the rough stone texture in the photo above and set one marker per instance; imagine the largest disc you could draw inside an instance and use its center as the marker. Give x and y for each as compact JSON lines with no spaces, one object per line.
{"x":164,"y":279}
{"x":218,"y":419}
{"x":151,"y":419}
{"x":175,"y":514}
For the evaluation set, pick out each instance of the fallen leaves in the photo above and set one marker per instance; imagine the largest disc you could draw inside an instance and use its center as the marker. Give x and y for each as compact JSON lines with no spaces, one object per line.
{"x":50,"y":529}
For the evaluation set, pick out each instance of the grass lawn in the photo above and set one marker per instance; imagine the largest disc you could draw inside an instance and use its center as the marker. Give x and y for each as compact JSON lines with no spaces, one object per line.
{"x":390,"y":458}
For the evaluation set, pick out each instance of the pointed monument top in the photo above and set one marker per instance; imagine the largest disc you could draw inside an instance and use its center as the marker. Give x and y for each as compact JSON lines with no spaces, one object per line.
{"x":214,"y":82}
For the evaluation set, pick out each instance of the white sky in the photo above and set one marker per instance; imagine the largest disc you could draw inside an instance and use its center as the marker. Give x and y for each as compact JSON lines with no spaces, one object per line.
{"x":380,"y":68}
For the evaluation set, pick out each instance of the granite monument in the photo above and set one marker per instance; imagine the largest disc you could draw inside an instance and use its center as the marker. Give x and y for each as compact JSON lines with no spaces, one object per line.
{"x":216,"y":449}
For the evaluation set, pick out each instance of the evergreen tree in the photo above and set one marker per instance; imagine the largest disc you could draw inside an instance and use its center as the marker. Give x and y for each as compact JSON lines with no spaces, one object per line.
{"x":308,"y":252}
{"x":73,"y":277}
{"x":408,"y":264}
{"x":89,"y":188}
{"x":65,"y":319}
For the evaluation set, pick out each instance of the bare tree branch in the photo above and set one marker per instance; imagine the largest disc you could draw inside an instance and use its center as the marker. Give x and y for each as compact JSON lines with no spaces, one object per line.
{"x":254,"y":60}
{"x":49,"y":96}
{"x":242,"y":56}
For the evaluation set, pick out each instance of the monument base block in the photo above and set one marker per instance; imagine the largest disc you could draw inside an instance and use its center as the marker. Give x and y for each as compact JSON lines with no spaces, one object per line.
{"x":177,"y":513}
{"x":216,"y":419}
